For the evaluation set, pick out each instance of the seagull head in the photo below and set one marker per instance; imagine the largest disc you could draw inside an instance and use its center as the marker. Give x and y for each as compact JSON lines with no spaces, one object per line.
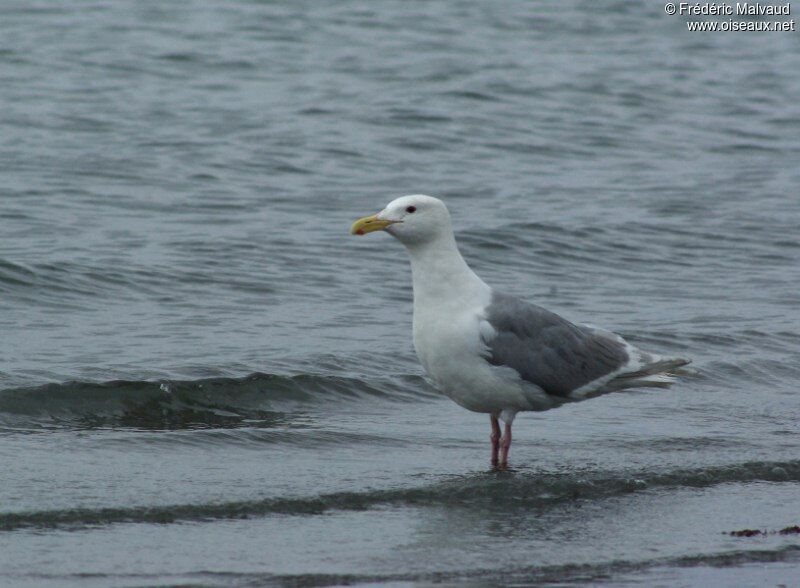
{"x":412,"y":220}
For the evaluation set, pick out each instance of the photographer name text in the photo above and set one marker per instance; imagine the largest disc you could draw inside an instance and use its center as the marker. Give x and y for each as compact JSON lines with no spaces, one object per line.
{"x":740,"y":9}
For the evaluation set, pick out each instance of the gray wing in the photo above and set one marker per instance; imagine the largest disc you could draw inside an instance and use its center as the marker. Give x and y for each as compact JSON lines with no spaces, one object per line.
{"x":547,"y":350}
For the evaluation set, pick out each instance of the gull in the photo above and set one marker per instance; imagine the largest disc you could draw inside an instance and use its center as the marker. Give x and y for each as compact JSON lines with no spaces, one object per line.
{"x":494,"y":353}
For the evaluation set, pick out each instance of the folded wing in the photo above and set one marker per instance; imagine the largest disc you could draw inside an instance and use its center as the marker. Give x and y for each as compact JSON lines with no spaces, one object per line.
{"x":564,"y":359}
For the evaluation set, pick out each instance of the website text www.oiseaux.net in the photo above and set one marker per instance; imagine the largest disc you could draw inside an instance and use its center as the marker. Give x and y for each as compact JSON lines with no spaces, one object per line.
{"x":738,"y":25}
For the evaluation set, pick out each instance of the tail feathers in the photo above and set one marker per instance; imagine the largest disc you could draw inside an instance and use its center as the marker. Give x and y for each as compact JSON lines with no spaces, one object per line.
{"x":659,"y":373}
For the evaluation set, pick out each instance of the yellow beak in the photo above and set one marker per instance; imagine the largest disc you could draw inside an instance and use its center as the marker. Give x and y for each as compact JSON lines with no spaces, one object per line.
{"x":369,"y":224}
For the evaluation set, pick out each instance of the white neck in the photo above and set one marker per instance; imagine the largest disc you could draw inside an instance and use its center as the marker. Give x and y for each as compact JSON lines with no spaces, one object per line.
{"x":440,"y":274}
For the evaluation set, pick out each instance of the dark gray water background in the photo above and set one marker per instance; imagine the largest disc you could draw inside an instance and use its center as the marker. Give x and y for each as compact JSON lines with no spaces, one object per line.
{"x":205,"y":381}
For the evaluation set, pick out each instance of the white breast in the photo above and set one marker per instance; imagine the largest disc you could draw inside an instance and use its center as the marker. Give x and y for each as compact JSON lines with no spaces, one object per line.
{"x":450,"y":329}
{"x":449,"y":344}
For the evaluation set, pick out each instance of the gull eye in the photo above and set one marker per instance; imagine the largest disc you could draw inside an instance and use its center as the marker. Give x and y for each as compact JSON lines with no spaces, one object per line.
{"x":410,"y":209}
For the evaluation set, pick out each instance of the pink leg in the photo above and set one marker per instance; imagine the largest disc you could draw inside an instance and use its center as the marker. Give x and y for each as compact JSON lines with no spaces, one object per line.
{"x":495,"y":437}
{"x":505,"y":445}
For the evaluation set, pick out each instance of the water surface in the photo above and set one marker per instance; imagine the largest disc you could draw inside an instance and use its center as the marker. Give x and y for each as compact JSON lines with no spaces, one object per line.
{"x":205,"y":381}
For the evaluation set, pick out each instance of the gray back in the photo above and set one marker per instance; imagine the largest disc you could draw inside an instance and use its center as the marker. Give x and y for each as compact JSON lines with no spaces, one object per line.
{"x":547,"y":350}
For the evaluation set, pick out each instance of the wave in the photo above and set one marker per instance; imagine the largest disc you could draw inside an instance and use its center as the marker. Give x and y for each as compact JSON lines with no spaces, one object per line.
{"x":487,"y":491}
{"x":258,"y":399}
{"x":569,"y":574}
{"x":296,"y":431}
